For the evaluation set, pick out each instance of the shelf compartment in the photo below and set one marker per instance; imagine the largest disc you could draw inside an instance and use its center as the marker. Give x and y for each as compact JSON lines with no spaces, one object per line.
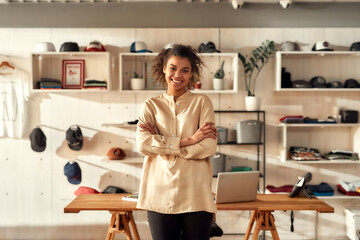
{"x":49,"y":65}
{"x":333,"y":66}
{"x":141,"y":64}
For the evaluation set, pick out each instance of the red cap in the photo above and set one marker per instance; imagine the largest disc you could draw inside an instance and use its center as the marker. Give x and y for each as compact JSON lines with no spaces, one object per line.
{"x":85,"y":190}
{"x":95,"y":46}
{"x":116,"y":154}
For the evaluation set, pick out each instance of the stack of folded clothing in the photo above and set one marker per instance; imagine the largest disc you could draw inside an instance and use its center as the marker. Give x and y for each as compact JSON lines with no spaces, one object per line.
{"x":322,"y":189}
{"x":282,"y":189}
{"x":342,"y":155}
{"x":49,"y":83}
{"x":349,"y":188}
{"x":304,"y":154}
{"x":92,"y":83}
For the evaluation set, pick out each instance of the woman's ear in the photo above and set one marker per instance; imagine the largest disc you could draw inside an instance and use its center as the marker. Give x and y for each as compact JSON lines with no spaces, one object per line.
{"x":164,"y":69}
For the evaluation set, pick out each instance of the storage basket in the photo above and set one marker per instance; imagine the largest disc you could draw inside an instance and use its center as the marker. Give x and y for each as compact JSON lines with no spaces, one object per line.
{"x":248,"y":131}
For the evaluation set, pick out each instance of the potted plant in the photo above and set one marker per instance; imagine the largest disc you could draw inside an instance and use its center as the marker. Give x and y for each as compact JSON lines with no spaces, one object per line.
{"x":137,"y":83}
{"x":252,"y":67}
{"x":197,"y":84}
{"x":218,"y":81}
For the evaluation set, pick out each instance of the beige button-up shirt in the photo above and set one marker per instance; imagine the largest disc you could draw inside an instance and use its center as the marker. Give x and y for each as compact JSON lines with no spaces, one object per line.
{"x":176,"y":179}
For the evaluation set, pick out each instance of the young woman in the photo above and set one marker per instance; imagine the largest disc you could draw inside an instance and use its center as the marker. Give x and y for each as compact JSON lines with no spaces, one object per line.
{"x":176,"y":133}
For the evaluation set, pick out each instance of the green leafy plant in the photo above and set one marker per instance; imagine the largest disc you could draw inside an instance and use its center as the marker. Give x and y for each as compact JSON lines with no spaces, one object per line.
{"x":220,"y":72}
{"x":254,"y":64}
{"x":136,"y":75}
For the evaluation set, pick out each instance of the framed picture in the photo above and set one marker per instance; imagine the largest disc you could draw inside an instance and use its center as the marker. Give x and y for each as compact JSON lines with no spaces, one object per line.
{"x":73,"y":73}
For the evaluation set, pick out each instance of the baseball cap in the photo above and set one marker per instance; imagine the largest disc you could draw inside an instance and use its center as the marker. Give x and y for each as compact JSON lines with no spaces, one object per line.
{"x":85,"y":190}
{"x":351,"y":83}
{"x":334,"y":84}
{"x":207,"y":47}
{"x":139,"y":47}
{"x":113,"y":189}
{"x":116,"y":153}
{"x":69,"y":47}
{"x":45,"y":47}
{"x":74,"y":137}
{"x":38,"y":140}
{"x":321,"y":46}
{"x":301,"y":84}
{"x":289,"y":46}
{"x":318,"y":82}
{"x":95,"y":46}
{"x":73,"y":172}
{"x":355,"y":46}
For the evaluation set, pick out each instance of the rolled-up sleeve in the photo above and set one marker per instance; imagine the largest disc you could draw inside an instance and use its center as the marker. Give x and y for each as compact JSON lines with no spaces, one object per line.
{"x":206,"y":147}
{"x":154,"y":144}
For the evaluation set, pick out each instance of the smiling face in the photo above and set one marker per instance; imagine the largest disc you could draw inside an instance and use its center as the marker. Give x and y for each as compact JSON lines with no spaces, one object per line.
{"x":178,"y":73}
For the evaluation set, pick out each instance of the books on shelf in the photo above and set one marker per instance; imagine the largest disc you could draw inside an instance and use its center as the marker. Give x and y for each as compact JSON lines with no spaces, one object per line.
{"x":131,"y":197}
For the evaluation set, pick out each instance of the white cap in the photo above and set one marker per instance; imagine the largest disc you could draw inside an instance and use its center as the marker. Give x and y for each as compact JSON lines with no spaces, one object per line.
{"x":45,"y":47}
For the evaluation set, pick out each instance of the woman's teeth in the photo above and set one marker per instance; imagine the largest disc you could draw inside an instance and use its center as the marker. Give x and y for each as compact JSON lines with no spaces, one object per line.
{"x":175,"y":81}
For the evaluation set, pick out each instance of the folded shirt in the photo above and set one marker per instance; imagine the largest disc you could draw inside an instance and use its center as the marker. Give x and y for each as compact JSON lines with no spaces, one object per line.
{"x":50,"y":80}
{"x":322,"y":189}
{"x":349,"y":193}
{"x":350,"y":186}
{"x":95,"y":81}
{"x":284,"y":188}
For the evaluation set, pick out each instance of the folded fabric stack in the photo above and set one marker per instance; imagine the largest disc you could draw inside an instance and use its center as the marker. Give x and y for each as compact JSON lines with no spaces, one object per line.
{"x":92,"y":83}
{"x":322,"y":189}
{"x":349,"y":188}
{"x":282,"y":189}
{"x":342,"y":155}
{"x":49,"y":83}
{"x":304,"y":154}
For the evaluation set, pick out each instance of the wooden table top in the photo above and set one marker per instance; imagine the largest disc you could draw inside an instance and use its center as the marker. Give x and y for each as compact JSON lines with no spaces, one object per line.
{"x":264,"y":202}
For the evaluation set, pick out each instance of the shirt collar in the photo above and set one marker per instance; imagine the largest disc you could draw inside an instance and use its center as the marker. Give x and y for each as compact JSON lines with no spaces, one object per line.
{"x":183,"y":96}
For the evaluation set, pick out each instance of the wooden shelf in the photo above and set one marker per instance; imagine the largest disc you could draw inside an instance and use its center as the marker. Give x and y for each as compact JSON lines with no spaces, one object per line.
{"x":128,"y":160}
{"x":343,"y":161}
{"x":49,"y":65}
{"x":135,"y":62}
{"x":120,"y":125}
{"x":339,"y":65}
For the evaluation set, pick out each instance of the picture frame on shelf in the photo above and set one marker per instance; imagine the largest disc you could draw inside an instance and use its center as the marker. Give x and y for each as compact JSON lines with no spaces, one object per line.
{"x":73,"y":73}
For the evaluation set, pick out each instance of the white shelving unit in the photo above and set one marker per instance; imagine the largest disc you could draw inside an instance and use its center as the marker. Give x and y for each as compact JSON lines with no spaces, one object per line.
{"x":50,"y":65}
{"x":332,"y":65}
{"x":324,"y":137}
{"x":128,"y":160}
{"x":141,"y":64}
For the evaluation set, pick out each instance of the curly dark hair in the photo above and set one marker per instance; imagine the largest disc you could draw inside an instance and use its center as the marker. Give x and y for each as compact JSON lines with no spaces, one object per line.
{"x":179,"y":50}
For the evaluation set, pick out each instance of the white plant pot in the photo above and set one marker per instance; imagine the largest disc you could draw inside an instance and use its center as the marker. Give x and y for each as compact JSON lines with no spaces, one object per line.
{"x":218,"y":84}
{"x":137,"y":83}
{"x":252,"y":103}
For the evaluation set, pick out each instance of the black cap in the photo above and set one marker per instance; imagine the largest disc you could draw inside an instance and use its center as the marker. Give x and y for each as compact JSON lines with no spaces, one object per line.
{"x":38,"y":140}
{"x":318,"y":82}
{"x":351,"y":83}
{"x":69,"y":47}
{"x":74,"y":137}
{"x":113,"y":189}
{"x":207,"y":47}
{"x":355,"y":46}
{"x":334,"y":84}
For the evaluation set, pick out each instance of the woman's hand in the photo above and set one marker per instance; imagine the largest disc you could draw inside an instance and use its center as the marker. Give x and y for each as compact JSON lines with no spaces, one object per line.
{"x":148,"y":127}
{"x":207,"y":130}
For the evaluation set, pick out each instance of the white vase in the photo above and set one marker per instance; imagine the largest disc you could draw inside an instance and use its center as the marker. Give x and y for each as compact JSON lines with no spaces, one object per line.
{"x":252,"y":103}
{"x":218,"y":83}
{"x":137,"y":83}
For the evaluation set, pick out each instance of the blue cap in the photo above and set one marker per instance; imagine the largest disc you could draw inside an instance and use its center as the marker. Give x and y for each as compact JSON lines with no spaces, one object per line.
{"x":139,"y":47}
{"x":73,"y":172}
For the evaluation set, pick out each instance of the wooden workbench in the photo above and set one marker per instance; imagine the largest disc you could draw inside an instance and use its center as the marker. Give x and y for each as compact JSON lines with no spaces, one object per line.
{"x":262,"y":209}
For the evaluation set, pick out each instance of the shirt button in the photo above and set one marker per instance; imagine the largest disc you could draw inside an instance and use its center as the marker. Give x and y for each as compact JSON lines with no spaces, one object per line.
{"x":171,"y":146}
{"x":177,"y":104}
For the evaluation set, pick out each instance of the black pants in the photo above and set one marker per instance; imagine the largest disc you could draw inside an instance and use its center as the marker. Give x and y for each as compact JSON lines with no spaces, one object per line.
{"x":184,"y":226}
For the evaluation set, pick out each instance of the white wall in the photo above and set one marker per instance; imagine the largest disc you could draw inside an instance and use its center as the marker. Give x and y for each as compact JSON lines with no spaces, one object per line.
{"x":34,"y":190}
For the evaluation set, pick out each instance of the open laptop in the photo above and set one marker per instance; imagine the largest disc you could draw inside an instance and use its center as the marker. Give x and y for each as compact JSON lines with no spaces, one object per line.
{"x":237,"y":186}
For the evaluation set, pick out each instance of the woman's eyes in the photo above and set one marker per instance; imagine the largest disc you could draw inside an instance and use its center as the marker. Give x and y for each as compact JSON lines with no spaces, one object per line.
{"x":174,"y":69}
